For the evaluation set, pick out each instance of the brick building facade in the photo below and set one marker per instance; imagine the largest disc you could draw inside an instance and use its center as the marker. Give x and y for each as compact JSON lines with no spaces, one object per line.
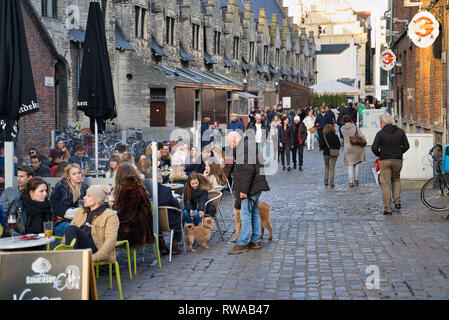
{"x":420,"y":84}
{"x":175,"y":61}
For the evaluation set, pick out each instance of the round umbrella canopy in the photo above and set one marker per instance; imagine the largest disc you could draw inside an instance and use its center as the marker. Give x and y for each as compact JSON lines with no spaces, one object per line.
{"x":334,"y":87}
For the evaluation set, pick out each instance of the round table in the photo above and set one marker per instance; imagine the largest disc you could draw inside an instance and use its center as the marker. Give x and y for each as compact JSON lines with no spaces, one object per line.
{"x":13,"y":243}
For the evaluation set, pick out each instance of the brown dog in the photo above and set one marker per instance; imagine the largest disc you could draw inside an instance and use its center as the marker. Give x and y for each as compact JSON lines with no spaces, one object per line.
{"x":264,"y":214}
{"x":200,"y":233}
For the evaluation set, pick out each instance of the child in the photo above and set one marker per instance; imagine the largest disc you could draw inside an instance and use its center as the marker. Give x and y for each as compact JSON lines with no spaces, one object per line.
{"x":215,"y":175}
{"x":195,"y":198}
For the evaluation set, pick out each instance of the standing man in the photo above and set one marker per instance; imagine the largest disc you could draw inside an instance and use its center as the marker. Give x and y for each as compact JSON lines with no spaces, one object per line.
{"x":389,"y":145}
{"x":260,"y":130}
{"x":299,"y":133}
{"x":321,"y":120}
{"x":248,"y":185}
{"x":235,"y":124}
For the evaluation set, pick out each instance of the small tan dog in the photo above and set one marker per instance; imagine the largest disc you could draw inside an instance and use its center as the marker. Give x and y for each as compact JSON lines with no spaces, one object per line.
{"x":200,"y":233}
{"x":264,"y":214}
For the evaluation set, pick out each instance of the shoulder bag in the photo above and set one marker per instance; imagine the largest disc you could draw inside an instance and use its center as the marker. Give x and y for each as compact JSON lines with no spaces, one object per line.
{"x":357,"y":140}
{"x":332,"y":152}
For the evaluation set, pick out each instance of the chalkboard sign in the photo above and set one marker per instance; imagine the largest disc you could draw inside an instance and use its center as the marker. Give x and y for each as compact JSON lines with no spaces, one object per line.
{"x":47,"y":275}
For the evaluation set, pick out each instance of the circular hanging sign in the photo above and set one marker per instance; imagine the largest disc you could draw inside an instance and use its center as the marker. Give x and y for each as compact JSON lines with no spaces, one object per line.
{"x":424,"y":29}
{"x":387,"y":59}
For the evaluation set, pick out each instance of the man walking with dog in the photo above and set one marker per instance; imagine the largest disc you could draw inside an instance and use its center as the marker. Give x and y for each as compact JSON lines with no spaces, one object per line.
{"x":248,"y":186}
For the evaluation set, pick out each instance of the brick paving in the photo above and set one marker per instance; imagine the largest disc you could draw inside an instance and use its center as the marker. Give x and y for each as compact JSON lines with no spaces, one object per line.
{"x":323,"y":241}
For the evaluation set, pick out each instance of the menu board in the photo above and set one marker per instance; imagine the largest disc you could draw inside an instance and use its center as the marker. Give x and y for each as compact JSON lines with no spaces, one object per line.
{"x":47,"y":275}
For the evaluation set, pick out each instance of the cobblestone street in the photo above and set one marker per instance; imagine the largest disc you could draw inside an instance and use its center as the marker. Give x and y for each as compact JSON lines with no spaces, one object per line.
{"x":323,"y":241}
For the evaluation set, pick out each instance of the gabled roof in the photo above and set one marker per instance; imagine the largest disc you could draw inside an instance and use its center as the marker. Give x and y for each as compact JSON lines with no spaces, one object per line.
{"x":332,"y":48}
{"x":271,"y":7}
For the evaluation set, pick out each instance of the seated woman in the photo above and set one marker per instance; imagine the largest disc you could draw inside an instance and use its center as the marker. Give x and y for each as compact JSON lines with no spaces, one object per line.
{"x":60,"y":147}
{"x":32,"y":209}
{"x":65,"y":196}
{"x":95,"y":226}
{"x":215,"y":175}
{"x":178,"y":174}
{"x":195,"y":197}
{"x":113,"y":164}
{"x":194,"y":162}
{"x":132,"y":201}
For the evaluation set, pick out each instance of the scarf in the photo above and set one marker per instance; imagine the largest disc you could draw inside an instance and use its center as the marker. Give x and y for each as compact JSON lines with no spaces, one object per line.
{"x":299,"y":133}
{"x":87,"y":225}
{"x":35,"y":210}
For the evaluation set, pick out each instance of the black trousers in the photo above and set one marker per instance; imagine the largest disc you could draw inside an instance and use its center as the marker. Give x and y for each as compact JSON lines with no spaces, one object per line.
{"x":174,"y":222}
{"x":299,"y":149}
{"x":285,"y":152}
{"x":320,"y":138}
{"x":83,"y":241}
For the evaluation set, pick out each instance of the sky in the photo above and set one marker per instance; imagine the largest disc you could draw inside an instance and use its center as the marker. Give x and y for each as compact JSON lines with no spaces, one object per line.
{"x":359,"y":5}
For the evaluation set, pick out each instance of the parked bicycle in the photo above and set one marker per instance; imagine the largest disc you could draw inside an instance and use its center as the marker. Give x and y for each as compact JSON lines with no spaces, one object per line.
{"x":435,"y":192}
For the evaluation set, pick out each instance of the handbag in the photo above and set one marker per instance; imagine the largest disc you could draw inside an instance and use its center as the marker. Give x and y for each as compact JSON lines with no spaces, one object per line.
{"x":332,"y":152}
{"x":312,"y":130}
{"x":357,"y":140}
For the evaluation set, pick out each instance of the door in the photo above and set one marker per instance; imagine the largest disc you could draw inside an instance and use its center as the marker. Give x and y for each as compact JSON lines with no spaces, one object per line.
{"x":157,"y":114}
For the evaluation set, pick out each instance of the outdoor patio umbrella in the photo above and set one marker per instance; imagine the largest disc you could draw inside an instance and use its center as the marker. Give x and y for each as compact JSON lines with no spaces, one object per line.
{"x":17,"y":92}
{"x":334,"y":87}
{"x":96,"y":94}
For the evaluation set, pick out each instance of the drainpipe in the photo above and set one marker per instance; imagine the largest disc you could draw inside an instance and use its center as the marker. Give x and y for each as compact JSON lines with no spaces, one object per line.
{"x":78,"y":77}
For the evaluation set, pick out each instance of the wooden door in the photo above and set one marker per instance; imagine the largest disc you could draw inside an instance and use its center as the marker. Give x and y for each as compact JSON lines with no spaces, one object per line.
{"x":157,"y":114}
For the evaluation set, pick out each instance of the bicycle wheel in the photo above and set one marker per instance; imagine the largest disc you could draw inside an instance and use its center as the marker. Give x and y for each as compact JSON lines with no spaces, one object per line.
{"x":435,"y":194}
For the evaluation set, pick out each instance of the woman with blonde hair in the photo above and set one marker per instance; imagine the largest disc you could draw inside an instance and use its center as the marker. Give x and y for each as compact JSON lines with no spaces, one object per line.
{"x":65,"y":196}
{"x":132,"y":202}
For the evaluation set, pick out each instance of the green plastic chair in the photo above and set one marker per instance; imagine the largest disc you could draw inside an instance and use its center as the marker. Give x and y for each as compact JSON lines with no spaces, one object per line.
{"x":117,"y":274}
{"x":65,"y":246}
{"x":126,"y":243}
{"x":56,"y":237}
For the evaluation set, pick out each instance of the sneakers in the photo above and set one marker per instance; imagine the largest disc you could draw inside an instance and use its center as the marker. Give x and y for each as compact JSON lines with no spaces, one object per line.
{"x":397,"y":206}
{"x":386,"y":213}
{"x":238,"y":249}
{"x":254,"y":245}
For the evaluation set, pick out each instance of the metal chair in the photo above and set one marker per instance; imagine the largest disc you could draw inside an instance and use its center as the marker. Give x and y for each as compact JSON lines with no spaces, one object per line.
{"x":215,"y":198}
{"x":164,"y":226}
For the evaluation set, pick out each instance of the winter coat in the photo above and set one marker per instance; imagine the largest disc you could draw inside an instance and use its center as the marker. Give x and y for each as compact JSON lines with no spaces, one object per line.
{"x":309,"y":122}
{"x":62,"y":199}
{"x":352,"y":113}
{"x":334,"y":143}
{"x":105,"y":227}
{"x":8,"y":197}
{"x":234,"y":125}
{"x":135,"y":214}
{"x":322,"y":120}
{"x":289,"y":136}
{"x":353,"y":154}
{"x":247,"y":176}
{"x":252,"y":126}
{"x":390,"y":143}
{"x":301,"y":127}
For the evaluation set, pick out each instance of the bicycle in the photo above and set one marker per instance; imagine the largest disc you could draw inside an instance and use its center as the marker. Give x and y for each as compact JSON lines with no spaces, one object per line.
{"x":435,"y":192}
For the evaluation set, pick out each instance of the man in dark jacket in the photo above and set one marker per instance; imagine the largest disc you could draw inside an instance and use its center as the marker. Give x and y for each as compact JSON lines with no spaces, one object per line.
{"x":39,"y":169}
{"x":235,"y":124}
{"x":352,"y":112}
{"x":248,"y":185}
{"x":389,"y":145}
{"x":80,"y":158}
{"x":260,"y":129}
{"x":321,"y":120}
{"x":299,"y":136}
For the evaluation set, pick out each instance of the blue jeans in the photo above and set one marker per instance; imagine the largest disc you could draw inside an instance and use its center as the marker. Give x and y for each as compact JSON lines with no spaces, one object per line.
{"x":196,"y":218}
{"x":250,"y":220}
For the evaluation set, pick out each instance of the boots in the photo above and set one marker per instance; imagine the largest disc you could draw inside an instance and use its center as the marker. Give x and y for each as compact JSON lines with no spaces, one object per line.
{"x":176,"y":249}
{"x":163,"y":248}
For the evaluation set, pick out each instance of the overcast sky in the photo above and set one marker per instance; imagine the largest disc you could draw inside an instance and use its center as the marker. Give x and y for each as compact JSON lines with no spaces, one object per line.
{"x":357,"y":5}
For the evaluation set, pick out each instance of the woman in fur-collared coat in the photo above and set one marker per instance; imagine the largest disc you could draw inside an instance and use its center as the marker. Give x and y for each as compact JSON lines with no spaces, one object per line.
{"x":132,"y":202}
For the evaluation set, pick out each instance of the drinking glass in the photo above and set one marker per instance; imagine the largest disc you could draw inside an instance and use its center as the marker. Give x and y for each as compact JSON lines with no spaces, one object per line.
{"x":12,"y":223}
{"x":48,"y":228}
{"x":110,"y":200}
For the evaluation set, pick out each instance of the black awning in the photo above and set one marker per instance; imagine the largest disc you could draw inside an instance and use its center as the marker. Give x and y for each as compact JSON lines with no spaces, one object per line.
{"x":283,"y":72}
{"x":120,"y":42}
{"x":209,"y":59}
{"x":302,"y":74}
{"x":272,"y":70}
{"x":245,"y":66}
{"x":259,"y":68}
{"x":77,"y":35}
{"x":185,"y":56}
{"x":227,"y":62}
{"x":158,"y":51}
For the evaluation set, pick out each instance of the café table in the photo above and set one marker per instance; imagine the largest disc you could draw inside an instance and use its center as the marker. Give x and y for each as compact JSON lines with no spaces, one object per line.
{"x":176,"y":187}
{"x":14,"y":243}
{"x":96,"y":174}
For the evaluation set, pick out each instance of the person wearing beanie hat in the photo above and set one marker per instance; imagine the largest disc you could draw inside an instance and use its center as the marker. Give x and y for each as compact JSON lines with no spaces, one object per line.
{"x":299,"y":136}
{"x":95,"y":226}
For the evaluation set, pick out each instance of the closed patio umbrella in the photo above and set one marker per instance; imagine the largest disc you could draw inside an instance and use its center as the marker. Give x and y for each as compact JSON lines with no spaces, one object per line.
{"x":96,"y":93}
{"x":17,"y":92}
